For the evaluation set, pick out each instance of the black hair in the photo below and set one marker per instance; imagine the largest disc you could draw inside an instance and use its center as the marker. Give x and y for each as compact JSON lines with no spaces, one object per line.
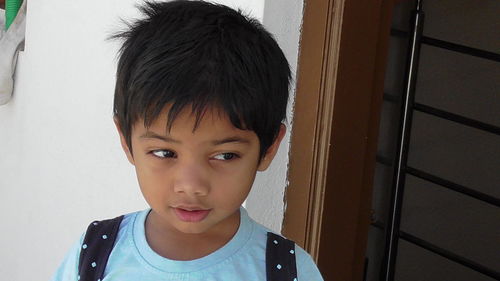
{"x":203,"y":55}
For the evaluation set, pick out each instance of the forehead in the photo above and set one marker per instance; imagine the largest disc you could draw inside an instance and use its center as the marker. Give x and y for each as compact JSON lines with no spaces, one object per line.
{"x":212,"y":122}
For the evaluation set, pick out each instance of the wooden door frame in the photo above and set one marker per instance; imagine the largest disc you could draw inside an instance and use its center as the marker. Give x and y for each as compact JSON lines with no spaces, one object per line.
{"x":338,"y":100}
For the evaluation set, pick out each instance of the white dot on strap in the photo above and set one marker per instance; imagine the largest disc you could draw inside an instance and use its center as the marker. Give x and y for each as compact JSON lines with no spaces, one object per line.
{"x":278,"y":266}
{"x":105,"y":236}
{"x":94,"y":264}
{"x":84,"y":246}
{"x":275,"y":242}
{"x":292,"y":252}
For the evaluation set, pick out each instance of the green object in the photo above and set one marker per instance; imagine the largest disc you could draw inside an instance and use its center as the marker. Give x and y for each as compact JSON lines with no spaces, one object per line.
{"x":11,"y":9}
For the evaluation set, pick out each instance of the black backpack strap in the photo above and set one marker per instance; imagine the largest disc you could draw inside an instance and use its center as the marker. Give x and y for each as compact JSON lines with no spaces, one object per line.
{"x":280,"y":259}
{"x":96,"y":248}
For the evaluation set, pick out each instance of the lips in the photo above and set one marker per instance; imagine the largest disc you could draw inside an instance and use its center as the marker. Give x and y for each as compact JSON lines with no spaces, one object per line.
{"x":188,"y":214}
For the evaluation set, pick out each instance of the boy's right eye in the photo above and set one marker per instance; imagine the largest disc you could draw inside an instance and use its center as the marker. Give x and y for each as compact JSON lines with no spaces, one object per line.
{"x":163,"y":153}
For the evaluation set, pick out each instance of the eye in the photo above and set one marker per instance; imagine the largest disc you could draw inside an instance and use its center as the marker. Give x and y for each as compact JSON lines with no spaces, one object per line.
{"x":163,"y":153}
{"x":226,"y":156}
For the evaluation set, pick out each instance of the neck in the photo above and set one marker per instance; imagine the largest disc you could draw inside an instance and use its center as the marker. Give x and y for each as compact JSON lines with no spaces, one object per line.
{"x":173,"y":244}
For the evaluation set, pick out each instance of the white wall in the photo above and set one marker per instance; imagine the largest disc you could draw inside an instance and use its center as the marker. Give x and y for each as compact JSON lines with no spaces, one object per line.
{"x":266,"y":203}
{"x":61,"y":165}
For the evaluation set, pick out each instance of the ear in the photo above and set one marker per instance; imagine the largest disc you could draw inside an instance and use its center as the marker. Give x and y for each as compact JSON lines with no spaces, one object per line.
{"x":123,"y":142}
{"x":272,"y":150}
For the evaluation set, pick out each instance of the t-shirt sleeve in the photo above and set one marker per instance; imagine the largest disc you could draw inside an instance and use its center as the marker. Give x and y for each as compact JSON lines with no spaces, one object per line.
{"x":306,"y":268}
{"x":68,"y":270}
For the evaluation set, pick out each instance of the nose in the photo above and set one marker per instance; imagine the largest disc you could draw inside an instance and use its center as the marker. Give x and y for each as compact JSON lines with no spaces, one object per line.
{"x":192,"y":179}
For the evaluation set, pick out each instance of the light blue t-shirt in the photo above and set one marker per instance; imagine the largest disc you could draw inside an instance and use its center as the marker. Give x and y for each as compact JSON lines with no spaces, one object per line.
{"x":242,"y":258}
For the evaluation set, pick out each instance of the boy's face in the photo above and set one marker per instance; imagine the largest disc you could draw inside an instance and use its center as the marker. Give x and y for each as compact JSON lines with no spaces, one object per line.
{"x":195,"y":181}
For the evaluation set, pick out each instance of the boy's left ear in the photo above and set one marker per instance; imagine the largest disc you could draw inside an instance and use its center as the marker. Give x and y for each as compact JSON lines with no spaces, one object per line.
{"x":272,"y":150}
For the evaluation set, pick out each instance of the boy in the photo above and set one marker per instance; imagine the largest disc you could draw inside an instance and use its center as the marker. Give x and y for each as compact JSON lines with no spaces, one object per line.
{"x":200,"y":96}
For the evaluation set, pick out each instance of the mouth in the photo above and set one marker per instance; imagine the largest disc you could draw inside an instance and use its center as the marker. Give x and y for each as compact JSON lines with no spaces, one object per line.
{"x":188,"y":214}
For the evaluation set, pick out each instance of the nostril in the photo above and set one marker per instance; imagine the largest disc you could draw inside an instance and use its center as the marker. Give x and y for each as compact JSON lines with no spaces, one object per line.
{"x":198,"y":188}
{"x":191,"y":178}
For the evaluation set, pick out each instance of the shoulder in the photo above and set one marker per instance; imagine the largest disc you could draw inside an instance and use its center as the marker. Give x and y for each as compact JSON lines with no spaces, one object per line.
{"x":108,"y":229}
{"x":121,"y":221}
{"x":306,"y":267}
{"x":119,"y":224}
{"x":69,"y":266}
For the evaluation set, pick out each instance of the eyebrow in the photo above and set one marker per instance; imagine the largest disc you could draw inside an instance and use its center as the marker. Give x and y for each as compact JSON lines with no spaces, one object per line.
{"x":153,"y":135}
{"x":230,"y":140}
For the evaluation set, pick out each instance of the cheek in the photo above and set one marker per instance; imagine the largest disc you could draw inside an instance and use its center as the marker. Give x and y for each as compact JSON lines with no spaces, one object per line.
{"x":235,"y":181}
{"x":152,"y":178}
{"x":149,"y":167}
